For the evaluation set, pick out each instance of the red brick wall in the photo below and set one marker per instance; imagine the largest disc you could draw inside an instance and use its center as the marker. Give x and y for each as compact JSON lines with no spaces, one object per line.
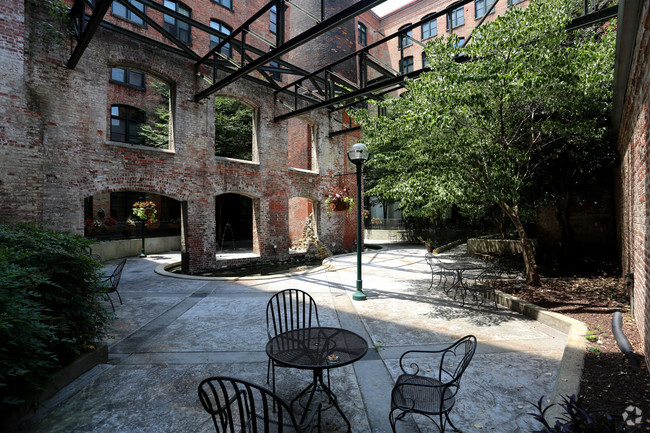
{"x":634,"y":179}
{"x":55,"y":149}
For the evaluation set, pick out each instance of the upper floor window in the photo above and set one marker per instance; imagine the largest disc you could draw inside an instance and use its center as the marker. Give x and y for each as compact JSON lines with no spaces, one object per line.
{"x":363,"y":34}
{"x":225,"y":3}
{"x":461,"y":42}
{"x":425,"y":60}
{"x":178,"y":28}
{"x":128,"y":77}
{"x":481,"y":6}
{"x":126,"y":124}
{"x":456,"y":18}
{"x":430,"y":29}
{"x":276,"y":75}
{"x":406,"y":38}
{"x":514,"y":2}
{"x":273,"y":22}
{"x":406,"y":65}
{"x":226,"y":50}
{"x":121,"y":11}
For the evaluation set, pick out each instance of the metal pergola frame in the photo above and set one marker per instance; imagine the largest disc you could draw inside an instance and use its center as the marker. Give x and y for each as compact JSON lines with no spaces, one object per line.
{"x":322,"y":88}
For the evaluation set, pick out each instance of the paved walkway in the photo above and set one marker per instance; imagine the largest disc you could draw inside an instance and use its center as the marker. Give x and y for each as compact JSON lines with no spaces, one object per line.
{"x":171,"y":333}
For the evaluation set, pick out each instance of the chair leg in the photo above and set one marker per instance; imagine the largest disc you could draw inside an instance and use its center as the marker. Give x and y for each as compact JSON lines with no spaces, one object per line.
{"x":268,"y":371}
{"x":392,"y":420}
{"x":111,"y":301}
{"x":449,"y":422}
{"x":118,"y":296}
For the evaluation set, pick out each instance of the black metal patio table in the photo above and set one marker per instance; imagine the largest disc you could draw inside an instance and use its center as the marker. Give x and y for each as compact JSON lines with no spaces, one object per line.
{"x":459,"y":285}
{"x":317,"y":349}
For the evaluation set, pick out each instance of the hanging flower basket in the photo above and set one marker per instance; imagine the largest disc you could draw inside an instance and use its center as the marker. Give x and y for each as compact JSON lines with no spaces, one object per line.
{"x":339,"y":200}
{"x":146,"y":211}
{"x":339,"y":206}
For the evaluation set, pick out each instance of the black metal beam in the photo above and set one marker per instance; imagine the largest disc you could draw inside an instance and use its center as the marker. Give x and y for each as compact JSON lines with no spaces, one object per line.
{"x":88,"y":32}
{"x":593,"y":18}
{"x":341,"y":98}
{"x":304,"y":37}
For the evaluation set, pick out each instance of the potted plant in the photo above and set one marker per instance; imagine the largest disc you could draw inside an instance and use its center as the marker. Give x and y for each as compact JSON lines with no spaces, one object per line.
{"x":129,"y":224}
{"x":339,"y":200}
{"x":431,"y":247}
{"x":146,"y":211}
{"x":110,"y":224}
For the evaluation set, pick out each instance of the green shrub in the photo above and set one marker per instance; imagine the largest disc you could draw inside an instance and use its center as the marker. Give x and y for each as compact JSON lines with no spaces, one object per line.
{"x":51,"y":308}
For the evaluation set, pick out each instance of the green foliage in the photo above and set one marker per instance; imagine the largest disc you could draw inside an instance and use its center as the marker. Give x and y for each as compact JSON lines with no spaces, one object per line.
{"x":233,"y":129}
{"x":50,"y":308}
{"x":156,"y":130}
{"x":490,"y":130}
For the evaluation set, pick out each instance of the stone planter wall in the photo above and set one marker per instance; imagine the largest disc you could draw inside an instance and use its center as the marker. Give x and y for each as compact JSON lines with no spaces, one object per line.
{"x":477,"y":246}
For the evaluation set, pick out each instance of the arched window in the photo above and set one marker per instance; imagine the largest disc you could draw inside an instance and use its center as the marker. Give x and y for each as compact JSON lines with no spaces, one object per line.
{"x":226,"y":50}
{"x":456,"y":18}
{"x":126,"y":124}
{"x":233,"y":129}
{"x":406,"y":38}
{"x":430,"y":29}
{"x":363,"y":34}
{"x":177,"y":28}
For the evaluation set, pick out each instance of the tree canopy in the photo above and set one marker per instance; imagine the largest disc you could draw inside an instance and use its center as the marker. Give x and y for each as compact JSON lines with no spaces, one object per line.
{"x":484,"y":125}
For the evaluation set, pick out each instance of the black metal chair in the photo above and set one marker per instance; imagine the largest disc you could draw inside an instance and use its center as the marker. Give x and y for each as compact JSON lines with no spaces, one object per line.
{"x":483,"y":287}
{"x":288,"y":310}
{"x":114,"y":280}
{"x":431,"y":395}
{"x":438,"y":269}
{"x":237,"y":406}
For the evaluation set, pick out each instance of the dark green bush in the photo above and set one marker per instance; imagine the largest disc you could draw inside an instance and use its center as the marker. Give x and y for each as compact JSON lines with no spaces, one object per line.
{"x":51,"y":308}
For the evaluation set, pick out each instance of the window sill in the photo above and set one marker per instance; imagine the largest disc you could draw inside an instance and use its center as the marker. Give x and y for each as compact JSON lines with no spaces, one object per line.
{"x":241,"y":161}
{"x":303,"y":170}
{"x":139,"y":147}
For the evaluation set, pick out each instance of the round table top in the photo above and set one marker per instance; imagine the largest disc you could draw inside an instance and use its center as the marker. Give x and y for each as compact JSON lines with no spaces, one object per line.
{"x":318,"y":347}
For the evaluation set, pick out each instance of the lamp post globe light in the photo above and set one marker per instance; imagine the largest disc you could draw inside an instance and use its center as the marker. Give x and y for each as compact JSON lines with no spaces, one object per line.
{"x":358,"y":154}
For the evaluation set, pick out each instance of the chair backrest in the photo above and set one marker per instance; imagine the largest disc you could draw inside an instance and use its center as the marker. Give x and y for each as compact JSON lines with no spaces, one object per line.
{"x":116,"y":275}
{"x":239,"y":406}
{"x":461,"y":353}
{"x":290,"y":309}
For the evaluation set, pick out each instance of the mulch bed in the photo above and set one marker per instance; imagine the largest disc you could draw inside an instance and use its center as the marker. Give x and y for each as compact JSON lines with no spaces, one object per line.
{"x":608,"y":381}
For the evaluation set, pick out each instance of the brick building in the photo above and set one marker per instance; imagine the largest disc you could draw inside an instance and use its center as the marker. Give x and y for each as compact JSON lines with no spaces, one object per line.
{"x":632,"y":120}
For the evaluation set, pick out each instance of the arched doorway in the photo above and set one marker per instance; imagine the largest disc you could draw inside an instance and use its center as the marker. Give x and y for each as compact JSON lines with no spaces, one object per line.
{"x":234,"y":219}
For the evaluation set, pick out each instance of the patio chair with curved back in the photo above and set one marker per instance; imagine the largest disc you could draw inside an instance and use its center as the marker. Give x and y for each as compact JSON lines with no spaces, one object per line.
{"x":238,"y":406}
{"x":114,"y":280}
{"x":288,"y":310}
{"x":431,"y":395}
{"x":438,"y":269}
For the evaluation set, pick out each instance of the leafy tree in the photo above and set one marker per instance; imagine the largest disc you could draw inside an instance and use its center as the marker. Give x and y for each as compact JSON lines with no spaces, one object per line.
{"x":156,"y":130}
{"x":233,"y":129}
{"x":484,"y":131}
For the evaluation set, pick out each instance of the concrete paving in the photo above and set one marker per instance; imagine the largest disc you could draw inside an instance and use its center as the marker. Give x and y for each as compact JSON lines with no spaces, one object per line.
{"x":171,"y":333}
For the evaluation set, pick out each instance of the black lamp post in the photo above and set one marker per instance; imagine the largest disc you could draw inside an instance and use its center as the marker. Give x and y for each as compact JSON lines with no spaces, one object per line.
{"x":357,"y":155}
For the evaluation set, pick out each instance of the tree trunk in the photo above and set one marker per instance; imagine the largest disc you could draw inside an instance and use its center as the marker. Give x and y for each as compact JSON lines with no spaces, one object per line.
{"x":532,"y":274}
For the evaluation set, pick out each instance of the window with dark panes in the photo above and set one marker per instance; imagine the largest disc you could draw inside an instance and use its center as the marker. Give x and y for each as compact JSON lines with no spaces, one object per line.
{"x":273,"y":21}
{"x":481,"y":7}
{"x":225,"y":3}
{"x":461,"y":42}
{"x":176,"y":27}
{"x":455,"y":18}
{"x":425,"y":60}
{"x":226,"y":50}
{"x":363,"y":34}
{"x":406,"y":65}
{"x":126,"y":123}
{"x":430,"y":29}
{"x":128,"y":77}
{"x":514,"y":2}
{"x":119,"y":10}
{"x":406,"y":38}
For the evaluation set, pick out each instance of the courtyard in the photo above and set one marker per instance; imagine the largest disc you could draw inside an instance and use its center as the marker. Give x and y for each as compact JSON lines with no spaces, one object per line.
{"x":171,"y":333}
